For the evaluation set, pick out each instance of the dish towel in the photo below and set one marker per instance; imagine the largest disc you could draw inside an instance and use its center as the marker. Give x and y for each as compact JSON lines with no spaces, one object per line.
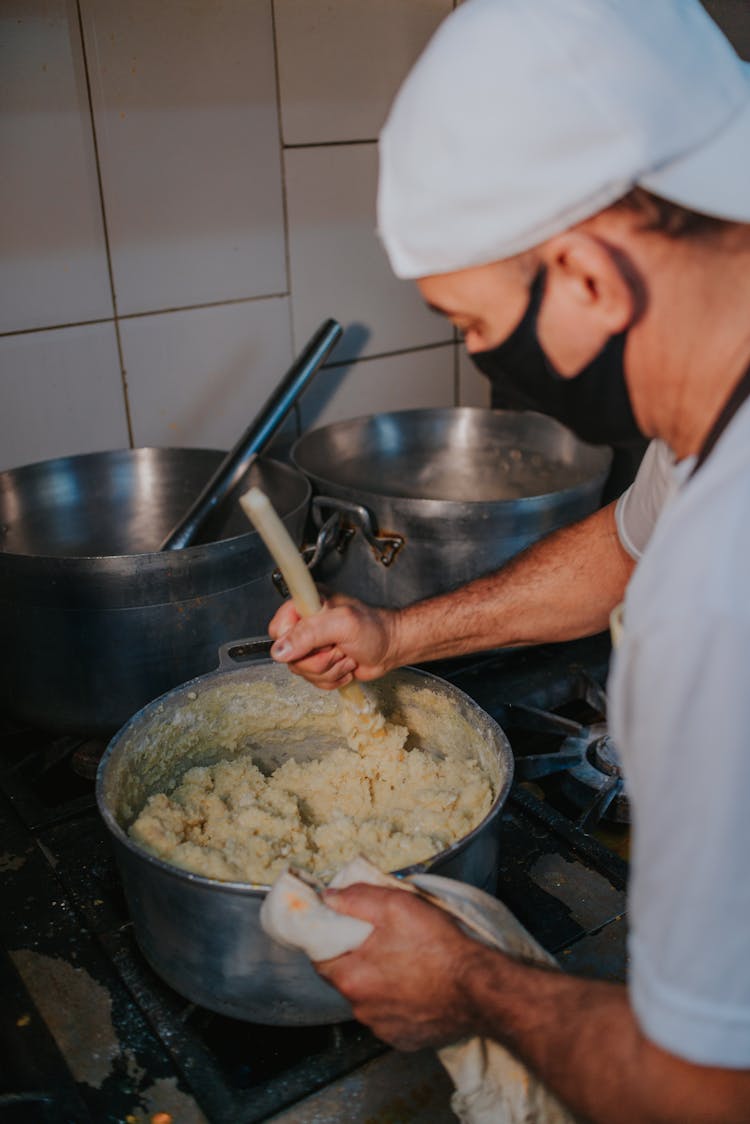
{"x":492,"y":1087}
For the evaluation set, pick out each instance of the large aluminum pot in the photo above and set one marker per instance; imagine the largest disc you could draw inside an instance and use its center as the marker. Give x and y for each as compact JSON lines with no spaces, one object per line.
{"x":204,"y":936}
{"x":437,"y":497}
{"x":94,"y":621}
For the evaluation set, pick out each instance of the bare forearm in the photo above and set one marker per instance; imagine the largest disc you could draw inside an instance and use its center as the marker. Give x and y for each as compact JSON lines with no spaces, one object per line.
{"x":418,"y":980}
{"x":560,"y":588}
{"x":582,"y":1039}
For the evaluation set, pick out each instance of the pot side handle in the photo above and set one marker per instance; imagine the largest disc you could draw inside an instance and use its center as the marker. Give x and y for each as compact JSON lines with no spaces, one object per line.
{"x":237,"y":653}
{"x":352,"y":517}
{"x":335,"y":530}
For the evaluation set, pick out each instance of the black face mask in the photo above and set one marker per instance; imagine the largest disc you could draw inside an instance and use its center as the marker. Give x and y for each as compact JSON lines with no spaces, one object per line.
{"x":594,"y":403}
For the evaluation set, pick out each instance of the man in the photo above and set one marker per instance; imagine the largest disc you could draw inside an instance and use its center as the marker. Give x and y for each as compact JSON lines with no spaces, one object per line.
{"x":568,"y":181}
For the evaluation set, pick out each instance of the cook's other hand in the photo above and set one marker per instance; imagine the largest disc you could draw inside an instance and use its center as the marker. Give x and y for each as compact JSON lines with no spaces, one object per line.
{"x":346,"y":640}
{"x":407,"y":981}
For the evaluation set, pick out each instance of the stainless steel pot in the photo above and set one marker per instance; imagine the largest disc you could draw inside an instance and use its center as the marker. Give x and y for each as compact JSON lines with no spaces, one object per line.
{"x":413,"y":503}
{"x":204,"y":936}
{"x":94,"y":621}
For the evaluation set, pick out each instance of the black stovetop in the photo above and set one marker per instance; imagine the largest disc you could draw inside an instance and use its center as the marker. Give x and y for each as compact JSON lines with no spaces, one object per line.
{"x":89,"y":1033}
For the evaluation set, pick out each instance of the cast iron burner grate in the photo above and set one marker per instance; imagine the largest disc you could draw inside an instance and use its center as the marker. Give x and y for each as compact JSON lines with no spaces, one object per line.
{"x":586,"y":759}
{"x":47,"y":778}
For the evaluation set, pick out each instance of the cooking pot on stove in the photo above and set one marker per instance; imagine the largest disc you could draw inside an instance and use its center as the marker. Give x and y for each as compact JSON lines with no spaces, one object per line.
{"x":203,"y":936}
{"x":413,"y":503}
{"x":105,"y":598}
{"x":94,"y":619}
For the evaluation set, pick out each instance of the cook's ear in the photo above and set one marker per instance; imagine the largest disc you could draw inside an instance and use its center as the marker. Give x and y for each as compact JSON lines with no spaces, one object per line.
{"x":592,"y":274}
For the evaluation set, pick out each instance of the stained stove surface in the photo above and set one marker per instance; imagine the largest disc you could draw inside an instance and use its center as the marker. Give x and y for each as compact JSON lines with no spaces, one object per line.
{"x":87,"y":1031}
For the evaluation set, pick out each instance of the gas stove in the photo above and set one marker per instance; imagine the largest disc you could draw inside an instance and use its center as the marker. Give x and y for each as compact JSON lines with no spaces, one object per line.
{"x":88,"y":1033}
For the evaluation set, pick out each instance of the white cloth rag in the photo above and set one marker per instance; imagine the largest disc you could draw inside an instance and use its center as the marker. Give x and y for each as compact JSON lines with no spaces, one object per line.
{"x":492,"y":1087}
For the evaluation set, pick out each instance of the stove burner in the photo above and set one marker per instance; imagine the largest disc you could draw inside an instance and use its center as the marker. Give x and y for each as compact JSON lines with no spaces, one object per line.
{"x":597,"y":773}
{"x":604,"y":756}
{"x":586,"y":760}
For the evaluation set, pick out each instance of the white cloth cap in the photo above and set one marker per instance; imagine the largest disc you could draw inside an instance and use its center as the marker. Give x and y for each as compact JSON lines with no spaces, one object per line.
{"x":524,"y":117}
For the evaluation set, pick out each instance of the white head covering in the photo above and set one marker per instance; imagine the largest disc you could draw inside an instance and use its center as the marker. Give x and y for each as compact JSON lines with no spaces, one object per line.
{"x":524,"y":117}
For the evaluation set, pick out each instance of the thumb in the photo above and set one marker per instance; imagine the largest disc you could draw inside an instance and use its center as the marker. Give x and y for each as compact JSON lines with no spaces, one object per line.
{"x":283,"y":619}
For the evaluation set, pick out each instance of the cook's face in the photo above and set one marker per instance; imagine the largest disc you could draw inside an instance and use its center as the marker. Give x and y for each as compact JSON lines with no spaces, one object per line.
{"x":485,"y":303}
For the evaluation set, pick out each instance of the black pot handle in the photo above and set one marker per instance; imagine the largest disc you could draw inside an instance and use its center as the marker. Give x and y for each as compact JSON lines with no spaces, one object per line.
{"x":255,"y":439}
{"x":237,"y":653}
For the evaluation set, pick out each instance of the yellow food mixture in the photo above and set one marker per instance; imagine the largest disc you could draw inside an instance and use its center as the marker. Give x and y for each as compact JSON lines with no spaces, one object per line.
{"x":398,"y":806}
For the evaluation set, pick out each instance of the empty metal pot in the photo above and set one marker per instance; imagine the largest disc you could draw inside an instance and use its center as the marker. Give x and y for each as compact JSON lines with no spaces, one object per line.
{"x":416,"y":502}
{"x":94,"y":620}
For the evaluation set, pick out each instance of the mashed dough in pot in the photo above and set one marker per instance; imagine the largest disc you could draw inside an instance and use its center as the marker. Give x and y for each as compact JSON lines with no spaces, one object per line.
{"x":399,"y":806}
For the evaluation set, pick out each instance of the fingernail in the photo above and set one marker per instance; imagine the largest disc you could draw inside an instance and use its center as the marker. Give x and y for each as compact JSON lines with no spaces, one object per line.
{"x":281,"y":649}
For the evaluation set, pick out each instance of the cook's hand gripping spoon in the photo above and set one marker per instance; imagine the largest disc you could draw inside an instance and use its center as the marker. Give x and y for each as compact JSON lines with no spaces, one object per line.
{"x":304,"y":594}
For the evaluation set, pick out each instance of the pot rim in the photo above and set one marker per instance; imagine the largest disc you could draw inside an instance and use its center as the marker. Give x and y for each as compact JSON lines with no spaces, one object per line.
{"x":427,"y":505}
{"x":253,"y":889}
{"x":83,"y":562}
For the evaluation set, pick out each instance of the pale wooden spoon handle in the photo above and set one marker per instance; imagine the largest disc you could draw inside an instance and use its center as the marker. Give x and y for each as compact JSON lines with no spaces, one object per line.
{"x":262,"y":515}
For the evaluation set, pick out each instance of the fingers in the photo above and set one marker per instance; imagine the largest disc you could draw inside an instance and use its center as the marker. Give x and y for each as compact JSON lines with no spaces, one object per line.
{"x":322,"y":630}
{"x":285,"y":618}
{"x":404,"y":916}
{"x":347,"y":639}
{"x":405,"y":980}
{"x":328,"y":669}
{"x":368,"y":903}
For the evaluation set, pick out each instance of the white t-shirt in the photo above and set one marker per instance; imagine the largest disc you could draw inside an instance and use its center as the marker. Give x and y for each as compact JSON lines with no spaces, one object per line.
{"x":679,"y":696}
{"x":639,"y":507}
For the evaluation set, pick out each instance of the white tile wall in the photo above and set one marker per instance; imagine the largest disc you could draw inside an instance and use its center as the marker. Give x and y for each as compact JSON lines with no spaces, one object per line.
{"x":341,"y":62}
{"x":200,"y":215}
{"x":141,"y":149}
{"x":338,"y":267}
{"x":53,"y":266}
{"x":182,"y":196}
{"x":184,"y":96}
{"x":200,"y":376}
{"x":371,"y":386}
{"x":61,"y":394}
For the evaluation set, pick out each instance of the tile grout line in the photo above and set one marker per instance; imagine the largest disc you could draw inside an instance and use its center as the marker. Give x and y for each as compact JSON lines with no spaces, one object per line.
{"x":105,"y":230}
{"x":143,"y":315}
{"x":328,"y":144}
{"x":284,"y":205}
{"x":456,"y":374}
{"x":219,"y":304}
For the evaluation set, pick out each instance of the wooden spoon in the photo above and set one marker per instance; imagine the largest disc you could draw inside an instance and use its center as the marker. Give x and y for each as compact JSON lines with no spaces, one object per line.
{"x":262,"y":515}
